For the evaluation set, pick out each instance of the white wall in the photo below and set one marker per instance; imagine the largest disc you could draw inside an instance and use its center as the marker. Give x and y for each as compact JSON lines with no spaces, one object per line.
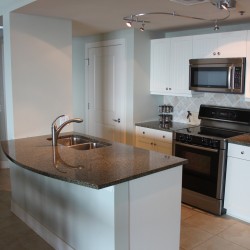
{"x":140,"y":104}
{"x":41,"y":60}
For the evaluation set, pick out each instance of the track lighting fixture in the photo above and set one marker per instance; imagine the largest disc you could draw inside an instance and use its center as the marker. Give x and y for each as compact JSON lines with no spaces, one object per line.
{"x":216,"y":27}
{"x":221,"y":4}
{"x":129,"y":24}
{"x":142,"y":27}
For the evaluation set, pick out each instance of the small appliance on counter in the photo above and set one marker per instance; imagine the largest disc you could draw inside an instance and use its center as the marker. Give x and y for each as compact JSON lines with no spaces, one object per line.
{"x":165,"y":116}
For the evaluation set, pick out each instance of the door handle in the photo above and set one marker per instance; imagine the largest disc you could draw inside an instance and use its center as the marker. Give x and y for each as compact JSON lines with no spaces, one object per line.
{"x":117,"y":120}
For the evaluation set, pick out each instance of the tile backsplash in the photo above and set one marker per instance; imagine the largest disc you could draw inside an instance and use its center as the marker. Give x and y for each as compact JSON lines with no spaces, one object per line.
{"x":183,"y":104}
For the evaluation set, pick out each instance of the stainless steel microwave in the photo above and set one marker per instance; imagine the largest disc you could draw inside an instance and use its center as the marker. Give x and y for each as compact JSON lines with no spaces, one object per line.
{"x":221,"y":75}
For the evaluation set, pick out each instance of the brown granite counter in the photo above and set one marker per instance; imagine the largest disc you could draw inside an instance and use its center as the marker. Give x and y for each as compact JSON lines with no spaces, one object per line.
{"x":96,"y":168}
{"x":243,"y":140}
{"x":171,"y":126}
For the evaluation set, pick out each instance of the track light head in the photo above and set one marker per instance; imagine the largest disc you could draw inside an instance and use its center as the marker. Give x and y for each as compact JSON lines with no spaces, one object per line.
{"x":129,"y":24}
{"x":142,"y":27}
{"x":216,"y":27}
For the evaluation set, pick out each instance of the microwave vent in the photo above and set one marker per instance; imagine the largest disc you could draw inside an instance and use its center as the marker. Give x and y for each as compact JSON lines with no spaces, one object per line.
{"x":190,"y":2}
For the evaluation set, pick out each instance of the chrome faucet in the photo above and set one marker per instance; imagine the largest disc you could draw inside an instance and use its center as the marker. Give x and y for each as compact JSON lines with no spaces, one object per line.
{"x":56,"y":130}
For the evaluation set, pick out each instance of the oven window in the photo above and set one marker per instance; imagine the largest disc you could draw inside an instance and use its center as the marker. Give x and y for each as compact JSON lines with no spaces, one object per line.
{"x":201,"y":172}
{"x":200,"y":164}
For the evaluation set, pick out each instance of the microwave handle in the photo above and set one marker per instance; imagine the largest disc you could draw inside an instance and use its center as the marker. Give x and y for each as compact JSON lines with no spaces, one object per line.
{"x":229,"y":77}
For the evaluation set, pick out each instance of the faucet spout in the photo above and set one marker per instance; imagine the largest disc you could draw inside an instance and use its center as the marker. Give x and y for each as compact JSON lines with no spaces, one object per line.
{"x":56,"y":130}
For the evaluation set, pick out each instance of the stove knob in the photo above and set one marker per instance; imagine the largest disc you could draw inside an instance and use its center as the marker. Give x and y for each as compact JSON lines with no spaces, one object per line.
{"x":188,"y":138}
{"x":182,"y":138}
{"x":215,"y":144}
{"x":204,"y":141}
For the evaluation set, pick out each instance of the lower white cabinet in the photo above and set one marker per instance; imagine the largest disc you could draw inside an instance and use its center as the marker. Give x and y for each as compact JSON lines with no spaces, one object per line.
{"x":153,"y":139}
{"x":237,"y":191}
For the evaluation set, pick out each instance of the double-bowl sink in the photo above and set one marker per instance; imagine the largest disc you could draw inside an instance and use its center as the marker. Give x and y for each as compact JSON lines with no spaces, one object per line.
{"x":80,"y":142}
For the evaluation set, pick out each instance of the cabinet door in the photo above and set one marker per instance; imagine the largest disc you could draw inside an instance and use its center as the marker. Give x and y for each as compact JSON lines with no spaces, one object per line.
{"x":181,"y":52}
{"x":153,"y":139}
{"x":247,"y":80}
{"x":160,"y":65}
{"x":144,"y":138}
{"x":232,"y":44}
{"x":162,"y":141}
{"x":227,"y":44}
{"x":204,"y":46}
{"x":237,"y":191}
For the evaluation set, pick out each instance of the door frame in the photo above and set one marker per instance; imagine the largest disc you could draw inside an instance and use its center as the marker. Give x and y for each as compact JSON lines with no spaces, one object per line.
{"x":105,"y":43}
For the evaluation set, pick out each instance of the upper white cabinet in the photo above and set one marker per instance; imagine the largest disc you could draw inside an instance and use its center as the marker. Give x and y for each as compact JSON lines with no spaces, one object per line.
{"x":159,"y":65}
{"x":169,"y":73}
{"x":227,"y":44}
{"x":181,"y":52}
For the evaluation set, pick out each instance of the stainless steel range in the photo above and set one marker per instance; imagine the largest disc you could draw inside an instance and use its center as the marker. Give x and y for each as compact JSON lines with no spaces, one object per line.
{"x":205,"y":147}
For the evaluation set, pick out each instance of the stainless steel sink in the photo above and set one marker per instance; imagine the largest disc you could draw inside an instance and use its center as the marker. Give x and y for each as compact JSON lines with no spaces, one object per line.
{"x":80,"y":142}
{"x":89,"y":145}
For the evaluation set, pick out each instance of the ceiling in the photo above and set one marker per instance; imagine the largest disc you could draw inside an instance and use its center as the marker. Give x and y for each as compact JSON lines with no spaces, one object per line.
{"x":91,"y":17}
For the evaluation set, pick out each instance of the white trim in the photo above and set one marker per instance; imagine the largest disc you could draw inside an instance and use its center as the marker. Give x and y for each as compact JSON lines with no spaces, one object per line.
{"x":5,"y":164}
{"x":42,"y":231}
{"x":7,"y":6}
{"x":7,"y":84}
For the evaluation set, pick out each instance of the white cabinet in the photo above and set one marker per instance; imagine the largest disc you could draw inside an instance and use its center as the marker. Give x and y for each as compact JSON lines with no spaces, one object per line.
{"x":153,"y":139}
{"x":159,"y":65}
{"x":181,"y":52}
{"x":247,"y":80}
{"x":227,"y":44}
{"x":169,"y":73}
{"x":237,"y":190}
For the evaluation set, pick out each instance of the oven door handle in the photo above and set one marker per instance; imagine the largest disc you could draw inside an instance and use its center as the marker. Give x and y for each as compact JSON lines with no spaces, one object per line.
{"x":196,"y":147}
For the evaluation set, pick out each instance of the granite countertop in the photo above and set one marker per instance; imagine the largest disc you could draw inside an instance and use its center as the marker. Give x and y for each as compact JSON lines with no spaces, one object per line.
{"x":172,"y":126}
{"x":96,"y":168}
{"x":243,"y":140}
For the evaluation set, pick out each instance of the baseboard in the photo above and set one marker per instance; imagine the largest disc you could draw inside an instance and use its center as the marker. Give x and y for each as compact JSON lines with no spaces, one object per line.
{"x":42,"y":231}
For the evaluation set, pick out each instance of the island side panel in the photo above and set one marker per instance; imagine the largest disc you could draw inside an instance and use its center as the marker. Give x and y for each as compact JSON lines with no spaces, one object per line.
{"x":155,"y":211}
{"x":66,"y":215}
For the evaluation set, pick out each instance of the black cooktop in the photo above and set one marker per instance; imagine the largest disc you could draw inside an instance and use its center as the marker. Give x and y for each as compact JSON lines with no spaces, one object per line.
{"x":215,"y":133}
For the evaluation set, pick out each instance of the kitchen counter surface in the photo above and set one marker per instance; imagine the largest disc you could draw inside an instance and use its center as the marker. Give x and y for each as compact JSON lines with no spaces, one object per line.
{"x":243,"y":140}
{"x":96,"y":168}
{"x":172,"y":126}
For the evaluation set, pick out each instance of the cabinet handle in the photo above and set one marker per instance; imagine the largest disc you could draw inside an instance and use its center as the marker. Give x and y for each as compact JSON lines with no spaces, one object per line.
{"x":144,"y":132}
{"x":163,"y":136}
{"x":214,"y":53}
{"x":152,"y":143}
{"x":218,"y":53}
{"x":242,"y":152}
{"x":170,"y":88}
{"x":166,"y":88}
{"x":117,"y":120}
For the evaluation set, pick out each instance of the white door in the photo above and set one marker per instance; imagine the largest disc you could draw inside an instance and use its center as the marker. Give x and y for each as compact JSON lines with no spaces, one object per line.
{"x":106,"y":92}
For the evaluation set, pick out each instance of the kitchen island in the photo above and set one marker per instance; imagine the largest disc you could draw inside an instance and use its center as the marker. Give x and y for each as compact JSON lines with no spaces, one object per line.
{"x":111,"y":198}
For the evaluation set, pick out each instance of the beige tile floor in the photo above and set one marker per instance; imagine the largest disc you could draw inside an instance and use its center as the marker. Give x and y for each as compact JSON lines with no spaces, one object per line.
{"x":203,"y":231}
{"x":199,"y":230}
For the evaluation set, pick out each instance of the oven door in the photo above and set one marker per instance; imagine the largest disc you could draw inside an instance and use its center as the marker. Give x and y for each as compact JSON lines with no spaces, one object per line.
{"x":204,"y":172}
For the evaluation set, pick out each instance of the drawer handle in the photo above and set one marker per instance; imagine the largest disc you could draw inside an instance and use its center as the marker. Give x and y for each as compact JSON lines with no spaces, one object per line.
{"x":242,"y":152}
{"x":143,"y":132}
{"x":163,"y":136}
{"x":152,"y":143}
